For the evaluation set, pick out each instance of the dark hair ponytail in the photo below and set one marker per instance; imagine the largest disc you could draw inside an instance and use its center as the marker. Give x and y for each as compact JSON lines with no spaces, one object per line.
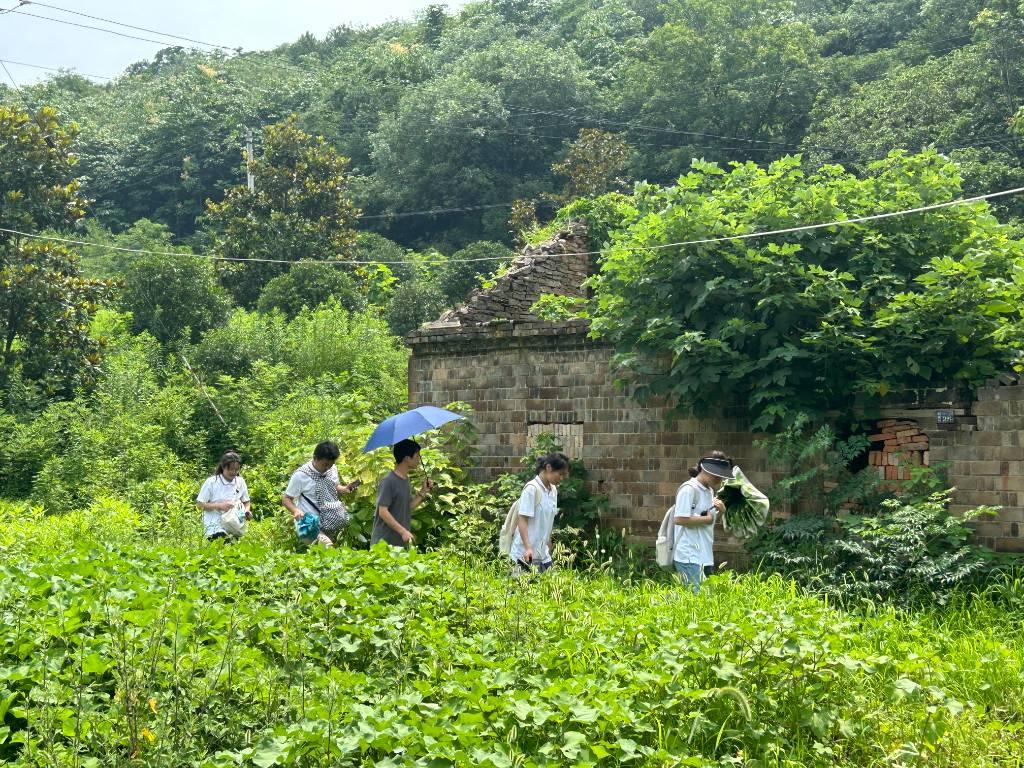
{"x":695,"y":469}
{"x":557,"y":461}
{"x":229,"y":458}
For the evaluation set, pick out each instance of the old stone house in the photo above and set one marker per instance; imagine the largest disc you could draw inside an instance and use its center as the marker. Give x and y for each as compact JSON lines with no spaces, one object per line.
{"x":524,"y":376}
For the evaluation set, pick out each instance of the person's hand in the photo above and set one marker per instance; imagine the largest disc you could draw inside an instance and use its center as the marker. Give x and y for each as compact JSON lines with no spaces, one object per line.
{"x":351,"y":486}
{"x":528,"y":555}
{"x":223,"y":506}
{"x":248,"y":514}
{"x":297,"y":514}
{"x":719,"y":505}
{"x":408,"y":537}
{"x":427,"y":487}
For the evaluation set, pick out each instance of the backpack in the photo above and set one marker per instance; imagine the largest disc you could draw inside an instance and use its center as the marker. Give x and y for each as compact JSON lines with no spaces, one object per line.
{"x":665,"y":544}
{"x":508,"y":529}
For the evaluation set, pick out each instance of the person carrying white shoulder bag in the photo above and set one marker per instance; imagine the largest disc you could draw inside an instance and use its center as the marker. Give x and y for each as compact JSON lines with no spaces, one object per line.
{"x":535,"y":518}
{"x":224,"y":499}
{"x":696,"y":512}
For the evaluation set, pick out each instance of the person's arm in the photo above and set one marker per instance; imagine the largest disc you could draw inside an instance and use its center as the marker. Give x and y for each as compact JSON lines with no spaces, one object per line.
{"x":389,"y":520}
{"x":348,"y":488}
{"x":210,"y":506}
{"x":524,"y":533}
{"x":529,"y":501}
{"x":291,"y":506}
{"x":424,"y":491}
{"x":246,"y":503}
{"x":695,"y":521}
{"x":204,"y":503}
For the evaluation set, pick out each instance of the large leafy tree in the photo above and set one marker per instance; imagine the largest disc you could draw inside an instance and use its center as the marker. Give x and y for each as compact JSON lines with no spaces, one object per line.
{"x":480,"y":128}
{"x":46,"y":305}
{"x":160,"y":141}
{"x":308,"y":285}
{"x":720,"y":80}
{"x":808,"y":321}
{"x":593,"y":164}
{"x":959,"y":103}
{"x":174,"y":297}
{"x":463,"y":272}
{"x":300,"y":210}
{"x":363,"y":84}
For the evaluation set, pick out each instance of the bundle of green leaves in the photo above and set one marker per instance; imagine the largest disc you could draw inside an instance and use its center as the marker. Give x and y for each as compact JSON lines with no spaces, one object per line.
{"x":746,"y":508}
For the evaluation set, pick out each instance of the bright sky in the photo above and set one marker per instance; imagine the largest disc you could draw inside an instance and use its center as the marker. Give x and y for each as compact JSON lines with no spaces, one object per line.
{"x":251,"y":24}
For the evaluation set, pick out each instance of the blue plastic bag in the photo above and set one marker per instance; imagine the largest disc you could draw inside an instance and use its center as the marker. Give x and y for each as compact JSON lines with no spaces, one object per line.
{"x":307,"y":527}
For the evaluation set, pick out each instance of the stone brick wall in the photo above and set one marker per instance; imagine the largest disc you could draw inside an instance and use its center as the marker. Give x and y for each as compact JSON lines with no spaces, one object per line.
{"x":984,"y":457}
{"x":557,"y":266}
{"x":522,"y":378}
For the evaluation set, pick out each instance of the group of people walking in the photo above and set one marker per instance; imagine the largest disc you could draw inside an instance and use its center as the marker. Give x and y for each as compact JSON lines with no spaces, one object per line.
{"x":314,"y":491}
{"x":313,"y":497}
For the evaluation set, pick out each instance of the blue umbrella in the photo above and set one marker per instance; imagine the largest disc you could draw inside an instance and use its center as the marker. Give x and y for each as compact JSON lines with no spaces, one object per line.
{"x":403,"y":425}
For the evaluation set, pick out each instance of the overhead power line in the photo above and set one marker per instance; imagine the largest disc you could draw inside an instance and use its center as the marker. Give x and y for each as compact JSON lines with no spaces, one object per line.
{"x":53,"y":69}
{"x":97,"y":29}
{"x":9,"y":75}
{"x":128,"y":26}
{"x":680,"y":244}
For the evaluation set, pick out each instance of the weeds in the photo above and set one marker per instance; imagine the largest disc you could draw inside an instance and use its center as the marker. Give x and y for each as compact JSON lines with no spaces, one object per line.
{"x":122,"y":651}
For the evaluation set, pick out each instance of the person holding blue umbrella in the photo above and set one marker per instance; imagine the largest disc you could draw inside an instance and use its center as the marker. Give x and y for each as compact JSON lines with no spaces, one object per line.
{"x":392,"y":521}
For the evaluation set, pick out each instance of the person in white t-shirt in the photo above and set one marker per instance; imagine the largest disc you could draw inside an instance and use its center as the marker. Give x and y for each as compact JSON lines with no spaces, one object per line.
{"x":697,"y":511}
{"x":314,"y":489}
{"x":538,"y":505}
{"x":220,"y":492}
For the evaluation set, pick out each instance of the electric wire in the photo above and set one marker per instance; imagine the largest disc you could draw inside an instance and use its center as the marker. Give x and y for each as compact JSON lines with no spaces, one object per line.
{"x":9,"y":75}
{"x":165,"y":43}
{"x":127,"y":26}
{"x":681,"y":244}
{"x":54,"y":69}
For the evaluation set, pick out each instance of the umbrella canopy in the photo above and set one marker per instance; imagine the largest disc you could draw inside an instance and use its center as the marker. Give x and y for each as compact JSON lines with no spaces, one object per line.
{"x":396,"y":428}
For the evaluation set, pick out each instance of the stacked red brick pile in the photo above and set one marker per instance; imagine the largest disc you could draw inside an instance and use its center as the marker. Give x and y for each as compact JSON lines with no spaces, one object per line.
{"x":903,"y":445}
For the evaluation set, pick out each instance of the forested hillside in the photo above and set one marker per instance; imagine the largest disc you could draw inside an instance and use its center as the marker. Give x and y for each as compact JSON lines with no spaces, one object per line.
{"x":483,"y":108}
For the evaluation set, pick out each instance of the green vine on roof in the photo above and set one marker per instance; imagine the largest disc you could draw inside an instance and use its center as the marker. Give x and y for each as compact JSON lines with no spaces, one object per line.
{"x":813,"y":321}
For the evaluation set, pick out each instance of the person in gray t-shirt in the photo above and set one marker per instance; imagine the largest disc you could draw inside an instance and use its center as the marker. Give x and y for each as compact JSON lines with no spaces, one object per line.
{"x":393,"y":521}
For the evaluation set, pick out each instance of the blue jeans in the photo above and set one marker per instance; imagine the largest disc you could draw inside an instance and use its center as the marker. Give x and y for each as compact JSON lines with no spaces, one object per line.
{"x":691,"y":574}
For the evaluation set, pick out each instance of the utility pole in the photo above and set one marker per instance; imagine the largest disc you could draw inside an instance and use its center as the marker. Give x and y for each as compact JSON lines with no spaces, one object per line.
{"x":248,"y":160}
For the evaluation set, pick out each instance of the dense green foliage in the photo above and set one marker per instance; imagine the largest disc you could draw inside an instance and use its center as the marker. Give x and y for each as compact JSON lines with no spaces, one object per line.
{"x":910,"y":552}
{"x":173,"y":297}
{"x":132,"y":650}
{"x":155,"y":425}
{"x":269,"y":321}
{"x":308,"y":285}
{"x":45,"y":302}
{"x":299,"y":210}
{"x":808,"y":321}
{"x":476,"y":108}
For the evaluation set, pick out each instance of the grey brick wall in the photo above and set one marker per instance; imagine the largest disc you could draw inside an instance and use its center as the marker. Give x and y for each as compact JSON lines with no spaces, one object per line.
{"x":517,"y":376}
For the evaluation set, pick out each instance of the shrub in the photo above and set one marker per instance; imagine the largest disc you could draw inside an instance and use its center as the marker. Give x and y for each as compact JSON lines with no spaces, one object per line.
{"x":910,"y":552}
{"x":460,"y":274}
{"x":414,"y":304}
{"x":354,"y":351}
{"x":173,"y":297}
{"x":308,"y":285}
